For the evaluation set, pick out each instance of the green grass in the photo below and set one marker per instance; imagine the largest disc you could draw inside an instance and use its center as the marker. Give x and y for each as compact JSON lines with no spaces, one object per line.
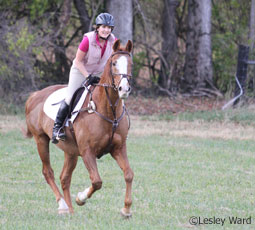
{"x":175,"y":178}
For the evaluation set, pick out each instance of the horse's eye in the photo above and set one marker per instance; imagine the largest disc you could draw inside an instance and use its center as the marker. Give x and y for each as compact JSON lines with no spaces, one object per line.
{"x":114,"y":63}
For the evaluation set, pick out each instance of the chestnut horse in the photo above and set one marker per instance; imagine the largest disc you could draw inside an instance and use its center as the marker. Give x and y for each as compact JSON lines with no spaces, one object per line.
{"x":96,"y":134}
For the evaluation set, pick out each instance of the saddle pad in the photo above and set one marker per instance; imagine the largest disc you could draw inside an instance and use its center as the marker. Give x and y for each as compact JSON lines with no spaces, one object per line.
{"x":51,"y":108}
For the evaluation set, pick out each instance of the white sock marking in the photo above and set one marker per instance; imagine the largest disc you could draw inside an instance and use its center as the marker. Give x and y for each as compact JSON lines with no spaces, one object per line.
{"x":62,"y":204}
{"x":83,"y":195}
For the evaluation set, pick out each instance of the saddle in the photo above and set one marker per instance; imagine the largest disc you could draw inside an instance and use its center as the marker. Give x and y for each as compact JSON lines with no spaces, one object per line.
{"x":77,"y":97}
{"x":54,"y":100}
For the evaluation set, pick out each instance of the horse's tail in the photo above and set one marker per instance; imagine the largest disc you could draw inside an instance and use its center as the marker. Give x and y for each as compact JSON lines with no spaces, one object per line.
{"x":26,"y":132}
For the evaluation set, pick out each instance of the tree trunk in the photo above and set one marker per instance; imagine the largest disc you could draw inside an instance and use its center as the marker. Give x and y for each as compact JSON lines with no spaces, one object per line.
{"x":83,"y":14}
{"x":251,"y":81}
{"x":252,"y":24}
{"x":122,"y":10}
{"x":62,"y":66}
{"x":198,"y":61}
{"x":169,"y":44}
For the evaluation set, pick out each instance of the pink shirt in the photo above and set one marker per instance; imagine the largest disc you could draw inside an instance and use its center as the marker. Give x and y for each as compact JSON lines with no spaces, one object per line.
{"x":84,"y":45}
{"x":93,"y":61}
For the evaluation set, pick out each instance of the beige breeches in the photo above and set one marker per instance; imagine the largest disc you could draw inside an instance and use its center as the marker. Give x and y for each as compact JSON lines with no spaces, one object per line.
{"x":76,"y":79}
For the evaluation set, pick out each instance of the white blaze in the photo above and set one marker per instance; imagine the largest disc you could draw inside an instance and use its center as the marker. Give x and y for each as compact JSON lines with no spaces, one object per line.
{"x":122,"y":66}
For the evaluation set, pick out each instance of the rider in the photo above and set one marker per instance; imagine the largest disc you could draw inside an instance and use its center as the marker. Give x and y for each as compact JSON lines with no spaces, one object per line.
{"x":91,"y":57}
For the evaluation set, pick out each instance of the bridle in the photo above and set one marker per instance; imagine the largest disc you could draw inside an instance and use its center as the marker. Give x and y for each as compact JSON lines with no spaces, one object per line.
{"x":127,"y":76}
{"x":115,"y":122}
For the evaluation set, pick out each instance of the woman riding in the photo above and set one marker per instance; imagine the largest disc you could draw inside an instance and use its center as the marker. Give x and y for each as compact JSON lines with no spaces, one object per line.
{"x":91,"y":57}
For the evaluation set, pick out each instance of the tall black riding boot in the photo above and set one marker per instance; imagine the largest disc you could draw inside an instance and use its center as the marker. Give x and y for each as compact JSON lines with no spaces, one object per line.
{"x":58,"y":132}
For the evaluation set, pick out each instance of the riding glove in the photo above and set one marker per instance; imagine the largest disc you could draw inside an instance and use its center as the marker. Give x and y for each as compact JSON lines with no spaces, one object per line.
{"x":91,"y":80}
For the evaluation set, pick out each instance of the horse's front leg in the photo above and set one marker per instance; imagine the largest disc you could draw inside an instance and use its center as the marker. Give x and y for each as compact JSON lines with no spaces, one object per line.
{"x":90,"y":162}
{"x":120,"y":155}
{"x":65,"y":178}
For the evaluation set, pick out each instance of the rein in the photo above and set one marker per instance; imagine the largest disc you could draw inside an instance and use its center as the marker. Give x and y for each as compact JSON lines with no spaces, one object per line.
{"x":115,"y":122}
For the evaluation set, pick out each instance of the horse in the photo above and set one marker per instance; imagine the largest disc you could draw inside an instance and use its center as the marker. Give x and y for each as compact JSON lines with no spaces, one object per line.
{"x":95,"y":134}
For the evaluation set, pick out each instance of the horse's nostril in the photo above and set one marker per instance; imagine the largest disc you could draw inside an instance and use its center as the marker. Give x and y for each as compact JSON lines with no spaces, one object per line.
{"x":120,"y":88}
{"x":129,"y":89}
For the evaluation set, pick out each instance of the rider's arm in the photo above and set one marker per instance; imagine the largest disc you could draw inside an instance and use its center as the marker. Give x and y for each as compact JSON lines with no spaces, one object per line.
{"x":80,"y":54}
{"x":79,"y":62}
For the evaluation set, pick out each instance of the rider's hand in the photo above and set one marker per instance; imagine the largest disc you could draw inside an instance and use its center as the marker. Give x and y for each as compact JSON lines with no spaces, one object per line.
{"x":92,"y":80}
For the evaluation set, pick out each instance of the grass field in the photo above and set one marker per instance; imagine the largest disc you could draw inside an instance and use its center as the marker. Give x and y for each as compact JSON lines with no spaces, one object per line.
{"x":184,"y":166}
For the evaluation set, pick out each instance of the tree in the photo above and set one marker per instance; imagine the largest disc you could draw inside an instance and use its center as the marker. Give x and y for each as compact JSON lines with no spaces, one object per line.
{"x":169,"y":43}
{"x":122,"y":10}
{"x":251,"y":38}
{"x":198,"y":72}
{"x":173,"y":50}
{"x":63,"y":65}
{"x":83,"y":15}
{"x":229,"y":29}
{"x":252,"y":24}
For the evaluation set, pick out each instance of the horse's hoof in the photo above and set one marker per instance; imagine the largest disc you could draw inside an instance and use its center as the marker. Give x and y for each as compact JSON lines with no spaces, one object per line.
{"x":63,"y":211}
{"x":125,"y":214}
{"x":63,"y":207}
{"x":80,"y":203}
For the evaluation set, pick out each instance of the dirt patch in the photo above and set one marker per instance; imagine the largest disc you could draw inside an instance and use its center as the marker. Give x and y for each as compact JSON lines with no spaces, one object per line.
{"x":9,"y":123}
{"x":200,"y":129}
{"x":141,"y":127}
{"x":138,"y":106}
{"x":148,"y":106}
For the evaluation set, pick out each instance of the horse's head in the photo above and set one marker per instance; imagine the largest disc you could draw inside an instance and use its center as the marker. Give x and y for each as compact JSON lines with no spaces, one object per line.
{"x":121,"y":68}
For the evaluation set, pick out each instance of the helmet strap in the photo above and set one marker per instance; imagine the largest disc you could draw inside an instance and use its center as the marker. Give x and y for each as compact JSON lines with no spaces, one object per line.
{"x":105,"y":38}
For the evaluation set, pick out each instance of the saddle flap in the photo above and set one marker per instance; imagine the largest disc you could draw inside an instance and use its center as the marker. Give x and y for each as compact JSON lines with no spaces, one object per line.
{"x":52,"y":103}
{"x":75,"y":99}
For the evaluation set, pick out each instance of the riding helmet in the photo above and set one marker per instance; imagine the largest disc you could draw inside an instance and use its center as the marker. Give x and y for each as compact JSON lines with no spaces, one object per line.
{"x":105,"y":19}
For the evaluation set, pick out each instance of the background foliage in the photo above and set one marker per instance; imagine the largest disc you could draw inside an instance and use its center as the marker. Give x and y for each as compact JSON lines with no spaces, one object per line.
{"x":38,"y":41}
{"x":230,"y":20}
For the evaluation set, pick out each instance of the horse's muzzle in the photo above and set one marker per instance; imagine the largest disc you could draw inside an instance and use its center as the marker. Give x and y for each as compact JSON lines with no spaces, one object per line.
{"x":124,"y":88}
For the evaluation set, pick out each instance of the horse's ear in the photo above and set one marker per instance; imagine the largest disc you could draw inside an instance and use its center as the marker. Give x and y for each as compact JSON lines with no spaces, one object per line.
{"x":116,"y":45}
{"x":129,"y":46}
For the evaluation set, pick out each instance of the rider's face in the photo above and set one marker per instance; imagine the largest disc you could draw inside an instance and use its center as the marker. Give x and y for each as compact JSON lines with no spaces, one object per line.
{"x":104,"y":31}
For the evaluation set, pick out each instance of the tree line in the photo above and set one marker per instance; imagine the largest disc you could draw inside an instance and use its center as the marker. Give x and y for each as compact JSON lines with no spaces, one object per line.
{"x":186,"y":47}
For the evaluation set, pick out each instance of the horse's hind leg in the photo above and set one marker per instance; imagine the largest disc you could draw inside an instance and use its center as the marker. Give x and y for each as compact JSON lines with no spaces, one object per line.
{"x":91,"y":165}
{"x":42,"y":142}
{"x":65,"y":178}
{"x":120,"y":155}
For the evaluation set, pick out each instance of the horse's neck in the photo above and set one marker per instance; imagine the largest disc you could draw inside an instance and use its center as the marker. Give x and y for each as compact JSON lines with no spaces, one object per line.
{"x":103,"y":103}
